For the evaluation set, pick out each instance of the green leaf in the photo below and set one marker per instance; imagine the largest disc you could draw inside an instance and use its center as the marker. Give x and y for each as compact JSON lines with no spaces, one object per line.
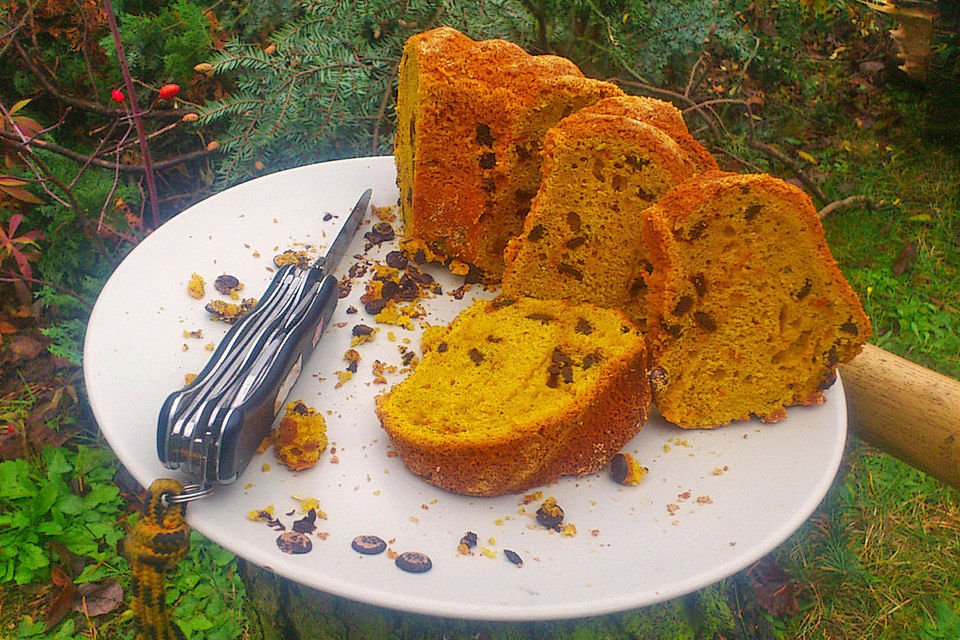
{"x":57,"y":464}
{"x":15,"y":480}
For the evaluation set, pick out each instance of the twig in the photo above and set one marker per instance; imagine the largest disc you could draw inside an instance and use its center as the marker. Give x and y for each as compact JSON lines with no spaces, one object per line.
{"x":712,"y":122}
{"x":116,"y":179}
{"x":794,"y":166}
{"x":380,"y":113}
{"x":687,"y":89}
{"x":738,"y":159}
{"x":87,"y":105}
{"x":97,"y":162}
{"x":13,"y":31}
{"x":843,"y":204}
{"x":19,"y":277}
{"x":135,"y":112}
{"x":102,"y":142}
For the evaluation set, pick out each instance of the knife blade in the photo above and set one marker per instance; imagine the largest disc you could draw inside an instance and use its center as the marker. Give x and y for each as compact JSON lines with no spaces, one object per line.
{"x":213,"y":426}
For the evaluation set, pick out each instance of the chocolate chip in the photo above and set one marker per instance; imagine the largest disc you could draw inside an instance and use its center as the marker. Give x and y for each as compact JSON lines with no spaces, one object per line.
{"x":591,"y":359}
{"x":832,"y":359}
{"x":488,"y":160}
{"x":570,"y":270}
{"x":645,"y":195}
{"x":300,"y":409}
{"x":327,"y":217}
{"x":750,"y":212}
{"x":294,"y":542}
{"x":408,"y":289}
{"x":396,"y":259}
{"x":704,"y":320}
{"x":849,"y":327}
{"x":542,"y":317}
{"x":484,"y":136}
{"x":637,"y":286}
{"x":351,"y":310}
{"x":573,"y":243}
{"x":494,"y":339}
{"x":584,"y":327}
{"x":373,"y":307}
{"x":658,"y":379}
{"x":502,"y":301}
{"x":474,"y":275}
{"x":226,"y":283}
{"x":409,"y":196}
{"x":441,"y":347}
{"x":420,"y":277}
{"x":469,"y":540}
{"x":523,"y":153}
{"x":475,"y":355}
{"x":307,"y":524}
{"x":672,"y":330}
{"x":368,"y":545}
{"x":619,"y":468}
{"x":573,"y":220}
{"x":352,"y":366}
{"x":536,"y":233}
{"x":362,"y":330}
{"x":637,"y":163}
{"x":513,"y":557}
{"x":699,"y":284}
{"x":550,"y":515}
{"x":407,"y":358}
{"x":683,"y":305}
{"x":828,"y":381}
{"x":414,"y":562}
{"x":697,"y":230}
{"x":345,"y":287}
{"x":805,"y":289}
{"x":567,"y":373}
{"x":488,"y":185}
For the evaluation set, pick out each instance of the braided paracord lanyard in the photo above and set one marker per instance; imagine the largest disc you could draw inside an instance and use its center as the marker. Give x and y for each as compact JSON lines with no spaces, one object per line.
{"x":158,"y":541}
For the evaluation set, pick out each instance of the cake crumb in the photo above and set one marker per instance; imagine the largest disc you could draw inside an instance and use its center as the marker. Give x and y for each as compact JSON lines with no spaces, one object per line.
{"x":196,"y":286}
{"x":704,"y":500}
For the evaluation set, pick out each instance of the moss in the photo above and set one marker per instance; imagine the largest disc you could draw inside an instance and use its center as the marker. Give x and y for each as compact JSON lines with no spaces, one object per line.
{"x":671,"y":620}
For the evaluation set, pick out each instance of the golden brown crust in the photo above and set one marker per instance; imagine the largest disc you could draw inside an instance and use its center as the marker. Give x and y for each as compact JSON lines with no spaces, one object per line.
{"x":748,"y":312}
{"x":471,"y":119}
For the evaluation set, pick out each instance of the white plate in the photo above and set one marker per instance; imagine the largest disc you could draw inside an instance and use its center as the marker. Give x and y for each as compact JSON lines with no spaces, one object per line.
{"x":629,"y":550}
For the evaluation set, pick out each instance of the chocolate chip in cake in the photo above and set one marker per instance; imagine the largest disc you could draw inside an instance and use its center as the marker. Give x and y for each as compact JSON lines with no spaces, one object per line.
{"x":751,"y":212}
{"x":591,"y":359}
{"x":704,"y":320}
{"x":636,"y":162}
{"x":584,"y":327}
{"x":542,"y":317}
{"x":396,"y":259}
{"x":294,"y":542}
{"x":373,"y":307}
{"x":637,"y":286}
{"x":488,"y":160}
{"x":550,"y":515}
{"x":566,"y":372}
{"x":361,"y":330}
{"x":683,"y":305}
{"x":673,"y":330}
{"x":409,"y":196}
{"x":645,"y":195}
{"x":476,"y":356}
{"x":849,"y":327}
{"x":832,"y":359}
{"x":487,"y":185}
{"x":513,"y":557}
{"x":699,"y":284}
{"x":441,"y":347}
{"x":536,"y":233}
{"x":484,"y":136}
{"x":573,"y":243}
{"x":226,"y":283}
{"x":413,"y":130}
{"x":697,"y":230}
{"x":659,"y":379}
{"x":573,"y":220}
{"x":494,"y":339}
{"x":368,"y":545}
{"x":570,"y":270}
{"x":523,"y":153}
{"x":408,"y":358}
{"x":502,"y":301}
{"x":414,"y":562}
{"x":828,"y":381}
{"x":469,"y":540}
{"x":805,"y":289}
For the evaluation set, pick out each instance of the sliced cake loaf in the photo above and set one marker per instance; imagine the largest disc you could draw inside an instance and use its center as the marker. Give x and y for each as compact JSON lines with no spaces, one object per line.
{"x":748,"y":311}
{"x":581,"y":239}
{"x":518,"y":392}
{"x":471,"y":117}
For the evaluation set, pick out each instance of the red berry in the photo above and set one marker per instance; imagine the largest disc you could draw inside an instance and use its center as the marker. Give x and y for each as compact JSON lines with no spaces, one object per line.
{"x":168,"y":91}
{"x":117,"y":95}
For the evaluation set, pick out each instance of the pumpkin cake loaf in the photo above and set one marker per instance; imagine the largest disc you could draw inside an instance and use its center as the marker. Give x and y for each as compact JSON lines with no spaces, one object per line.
{"x":471,"y":117}
{"x":748,"y":311}
{"x":517,"y":392}
{"x":581,"y":239}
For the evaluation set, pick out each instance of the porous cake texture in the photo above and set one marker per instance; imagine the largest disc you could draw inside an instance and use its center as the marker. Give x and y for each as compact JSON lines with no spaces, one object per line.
{"x":748,"y":312}
{"x":602,"y":166}
{"x":517,"y":392}
{"x":471,"y":117}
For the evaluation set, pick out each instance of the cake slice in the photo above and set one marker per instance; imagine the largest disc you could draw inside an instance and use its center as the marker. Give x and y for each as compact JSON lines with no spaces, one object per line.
{"x":518,"y":392}
{"x":748,"y":311}
{"x":581,"y":239}
{"x":471,"y":116}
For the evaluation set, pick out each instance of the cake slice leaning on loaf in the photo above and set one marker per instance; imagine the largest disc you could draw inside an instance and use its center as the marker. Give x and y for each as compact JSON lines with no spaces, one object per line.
{"x":581,"y":239}
{"x":518,"y":392}
{"x":748,"y":311}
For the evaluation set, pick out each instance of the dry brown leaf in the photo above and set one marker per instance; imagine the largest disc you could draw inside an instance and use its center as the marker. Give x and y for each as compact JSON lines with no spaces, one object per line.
{"x":905,"y":259}
{"x":97,"y":599}
{"x":24,"y":347}
{"x":62,"y":601}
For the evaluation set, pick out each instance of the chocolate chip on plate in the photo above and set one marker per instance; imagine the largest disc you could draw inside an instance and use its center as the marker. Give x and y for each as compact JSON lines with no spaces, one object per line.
{"x":368,"y":545}
{"x":414,"y":562}
{"x":294,"y":542}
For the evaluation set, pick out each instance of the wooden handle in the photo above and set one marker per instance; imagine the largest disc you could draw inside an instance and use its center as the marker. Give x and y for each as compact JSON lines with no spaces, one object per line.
{"x":908,"y":411}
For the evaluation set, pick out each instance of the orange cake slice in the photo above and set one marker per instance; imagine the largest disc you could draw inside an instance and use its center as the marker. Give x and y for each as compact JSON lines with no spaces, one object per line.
{"x":518,"y":392}
{"x":748,"y":311}
{"x":471,"y":116}
{"x":581,"y":239}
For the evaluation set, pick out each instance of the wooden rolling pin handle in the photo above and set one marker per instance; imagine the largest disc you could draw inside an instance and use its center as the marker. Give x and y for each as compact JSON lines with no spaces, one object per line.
{"x":908,"y":411}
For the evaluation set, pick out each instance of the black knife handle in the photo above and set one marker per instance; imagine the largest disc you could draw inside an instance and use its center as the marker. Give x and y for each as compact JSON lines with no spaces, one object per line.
{"x":248,"y":422}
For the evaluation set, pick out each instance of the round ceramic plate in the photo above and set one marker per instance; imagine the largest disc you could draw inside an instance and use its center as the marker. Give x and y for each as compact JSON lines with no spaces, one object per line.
{"x":712,"y":504}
